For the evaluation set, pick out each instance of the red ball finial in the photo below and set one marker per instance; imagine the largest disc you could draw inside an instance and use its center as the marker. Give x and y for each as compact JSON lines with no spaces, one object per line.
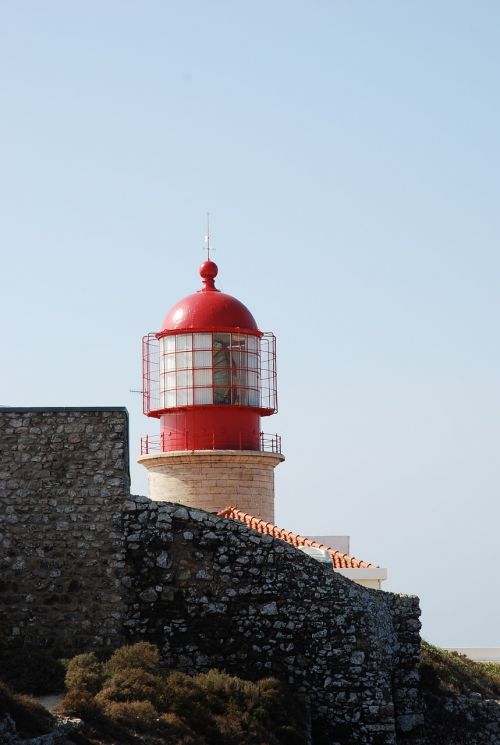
{"x":208,"y":273}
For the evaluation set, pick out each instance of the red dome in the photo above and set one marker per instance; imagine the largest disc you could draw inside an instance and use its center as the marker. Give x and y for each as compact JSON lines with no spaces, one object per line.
{"x":209,"y":308}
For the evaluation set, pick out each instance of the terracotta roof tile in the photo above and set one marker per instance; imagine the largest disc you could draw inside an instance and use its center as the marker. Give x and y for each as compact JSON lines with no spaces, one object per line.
{"x":339,"y":559}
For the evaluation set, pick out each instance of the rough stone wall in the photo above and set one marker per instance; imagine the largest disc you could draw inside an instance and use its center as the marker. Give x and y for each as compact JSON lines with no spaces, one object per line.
{"x":212,"y":593}
{"x":215,"y":480}
{"x":85,"y":566}
{"x":64,"y":476}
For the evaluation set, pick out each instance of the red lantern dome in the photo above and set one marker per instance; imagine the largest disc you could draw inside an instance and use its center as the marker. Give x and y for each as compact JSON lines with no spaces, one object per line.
{"x":209,"y":373}
{"x":209,"y":308}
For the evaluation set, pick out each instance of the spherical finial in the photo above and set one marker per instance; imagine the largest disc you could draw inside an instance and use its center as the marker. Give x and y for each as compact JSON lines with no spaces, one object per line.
{"x":208,"y":273}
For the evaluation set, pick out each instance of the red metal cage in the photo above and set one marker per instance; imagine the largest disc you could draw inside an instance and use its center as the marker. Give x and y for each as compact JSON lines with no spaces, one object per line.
{"x":207,"y":368}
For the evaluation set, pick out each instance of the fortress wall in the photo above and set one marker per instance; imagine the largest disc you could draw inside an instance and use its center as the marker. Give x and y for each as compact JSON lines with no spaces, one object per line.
{"x":63,"y":480}
{"x":83,"y":565}
{"x":213,"y":593}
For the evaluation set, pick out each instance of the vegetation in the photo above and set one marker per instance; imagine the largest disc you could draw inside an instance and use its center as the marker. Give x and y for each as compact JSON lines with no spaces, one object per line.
{"x":451,"y":673}
{"x":453,"y":689}
{"x":32,"y":670}
{"x":129,"y":697}
{"x":31,"y":719}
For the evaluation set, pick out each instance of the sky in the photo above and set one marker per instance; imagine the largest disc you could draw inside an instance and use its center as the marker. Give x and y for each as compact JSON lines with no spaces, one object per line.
{"x":348,"y":153}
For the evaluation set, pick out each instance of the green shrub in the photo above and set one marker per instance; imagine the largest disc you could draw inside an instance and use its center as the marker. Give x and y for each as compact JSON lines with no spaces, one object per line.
{"x":140,"y":656}
{"x":84,"y":673}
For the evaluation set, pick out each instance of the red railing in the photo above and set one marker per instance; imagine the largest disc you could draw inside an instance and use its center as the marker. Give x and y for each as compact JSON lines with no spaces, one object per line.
{"x":163,"y":443}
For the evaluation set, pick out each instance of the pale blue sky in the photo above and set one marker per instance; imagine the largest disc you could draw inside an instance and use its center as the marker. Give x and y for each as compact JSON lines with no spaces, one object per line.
{"x":348,"y":153}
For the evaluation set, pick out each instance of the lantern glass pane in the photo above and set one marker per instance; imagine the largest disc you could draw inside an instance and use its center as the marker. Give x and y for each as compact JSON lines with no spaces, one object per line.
{"x":183,"y":378}
{"x":252,"y":379}
{"x":202,"y":341}
{"x":183,"y":360}
{"x":253,"y":397}
{"x":184,"y":396}
{"x":252,"y":343}
{"x":203,"y":377}
{"x":169,"y":361}
{"x":170,"y":381}
{"x":169,"y":399}
{"x":203,"y":396}
{"x":183,"y":342}
{"x":203,"y":359}
{"x":168,"y":343}
{"x":252,"y":361}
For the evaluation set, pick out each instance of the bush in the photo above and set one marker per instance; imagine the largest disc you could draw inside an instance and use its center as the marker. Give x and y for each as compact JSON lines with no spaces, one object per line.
{"x":128,"y":694}
{"x":31,"y":670}
{"x":84,"y":673}
{"x":130,"y":685}
{"x":183,"y":696}
{"x":454,"y":673}
{"x":176,"y":732}
{"x":140,"y":656}
{"x":80,"y":703}
{"x":136,"y":715}
{"x":30,"y":717}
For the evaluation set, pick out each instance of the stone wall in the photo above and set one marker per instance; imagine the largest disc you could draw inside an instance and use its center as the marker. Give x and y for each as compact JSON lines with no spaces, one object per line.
{"x":64,"y":475}
{"x":85,"y":566}
{"x":212,"y":593}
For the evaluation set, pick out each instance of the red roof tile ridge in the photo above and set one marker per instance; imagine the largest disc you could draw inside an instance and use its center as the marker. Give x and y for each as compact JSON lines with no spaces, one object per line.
{"x":340,"y":560}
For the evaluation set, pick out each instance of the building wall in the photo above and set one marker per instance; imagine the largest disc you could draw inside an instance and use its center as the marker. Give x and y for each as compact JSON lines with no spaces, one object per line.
{"x":64,"y":476}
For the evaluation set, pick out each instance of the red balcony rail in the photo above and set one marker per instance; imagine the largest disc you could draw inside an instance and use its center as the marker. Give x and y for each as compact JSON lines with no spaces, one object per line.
{"x":163,"y":443}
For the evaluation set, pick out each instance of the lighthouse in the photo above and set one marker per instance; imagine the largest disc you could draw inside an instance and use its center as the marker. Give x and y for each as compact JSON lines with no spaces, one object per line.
{"x":209,"y":376}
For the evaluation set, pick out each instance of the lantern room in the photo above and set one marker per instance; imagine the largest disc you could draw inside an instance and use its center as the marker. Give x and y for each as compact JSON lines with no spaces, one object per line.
{"x":209,"y":375}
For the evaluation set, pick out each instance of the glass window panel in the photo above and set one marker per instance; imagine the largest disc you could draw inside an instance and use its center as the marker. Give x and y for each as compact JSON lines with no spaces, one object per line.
{"x":203,"y":395}
{"x":184,"y":378}
{"x":162,"y":364}
{"x":168,"y":343}
{"x":184,"y":396}
{"x":252,"y":379}
{"x":170,"y":381}
{"x":169,"y":399}
{"x":252,"y":361}
{"x":221,"y":350}
{"x":203,"y":377}
{"x":253,"y":397}
{"x":222,"y":395}
{"x":203,"y":359}
{"x":170,"y":362}
{"x":184,"y":359}
{"x":243,"y":397}
{"x":202,"y":341}
{"x":183,"y":342}
{"x":252,"y":343}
